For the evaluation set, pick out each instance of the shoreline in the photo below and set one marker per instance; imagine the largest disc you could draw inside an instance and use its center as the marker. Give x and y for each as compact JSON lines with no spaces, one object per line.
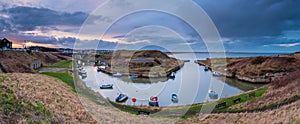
{"x":229,"y":74}
{"x":255,"y":70}
{"x":148,"y":75}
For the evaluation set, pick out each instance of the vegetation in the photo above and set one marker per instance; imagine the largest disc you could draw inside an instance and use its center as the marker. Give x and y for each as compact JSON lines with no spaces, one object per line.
{"x":18,"y":62}
{"x":258,"y":60}
{"x":62,"y":64}
{"x":244,"y":98}
{"x":13,"y":106}
{"x":193,"y":109}
{"x":64,"y":77}
{"x":144,"y":63}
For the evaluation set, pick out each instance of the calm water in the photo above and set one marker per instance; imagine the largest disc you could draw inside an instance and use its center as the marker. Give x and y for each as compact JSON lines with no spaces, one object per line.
{"x":191,"y":84}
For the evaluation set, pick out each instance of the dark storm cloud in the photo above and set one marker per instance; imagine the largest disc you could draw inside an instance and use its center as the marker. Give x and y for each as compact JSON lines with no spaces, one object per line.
{"x":28,"y":18}
{"x":244,"y":18}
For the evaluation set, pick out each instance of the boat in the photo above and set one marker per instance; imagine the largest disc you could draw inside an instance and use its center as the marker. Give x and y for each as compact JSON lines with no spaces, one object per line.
{"x":172,"y":75}
{"x":133,"y":76}
{"x":98,"y":69}
{"x":83,"y":75}
{"x":117,"y":75}
{"x":153,"y":101}
{"x":217,"y":74}
{"x":121,"y":98}
{"x":206,"y":68}
{"x":174,"y":98}
{"x":106,"y":86}
{"x":212,"y":94}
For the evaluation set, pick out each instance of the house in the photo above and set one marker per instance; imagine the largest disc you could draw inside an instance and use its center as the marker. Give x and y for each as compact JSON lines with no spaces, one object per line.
{"x":5,"y":44}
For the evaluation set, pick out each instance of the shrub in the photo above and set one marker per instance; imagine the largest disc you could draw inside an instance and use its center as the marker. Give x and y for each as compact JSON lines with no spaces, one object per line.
{"x":258,"y":60}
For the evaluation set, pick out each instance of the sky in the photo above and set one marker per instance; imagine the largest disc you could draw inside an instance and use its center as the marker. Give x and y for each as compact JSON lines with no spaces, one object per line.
{"x":243,"y":25}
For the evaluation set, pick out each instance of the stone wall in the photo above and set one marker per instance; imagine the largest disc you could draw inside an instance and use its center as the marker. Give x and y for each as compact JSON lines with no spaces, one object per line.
{"x":37,"y":63}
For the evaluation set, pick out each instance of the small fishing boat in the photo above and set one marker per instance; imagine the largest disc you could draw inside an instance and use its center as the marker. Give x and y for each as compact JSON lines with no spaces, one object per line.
{"x":172,"y":75}
{"x":174,"y":98}
{"x":206,"y":68}
{"x":212,"y":94}
{"x":117,"y":75}
{"x":216,"y":74}
{"x":106,"y":86}
{"x":132,"y":76}
{"x":98,"y":69}
{"x":121,"y":98}
{"x":83,"y":75}
{"x":153,"y":101}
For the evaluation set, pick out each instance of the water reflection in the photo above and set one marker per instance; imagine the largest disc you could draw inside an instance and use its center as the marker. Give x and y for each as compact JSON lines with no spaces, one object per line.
{"x":191,"y":84}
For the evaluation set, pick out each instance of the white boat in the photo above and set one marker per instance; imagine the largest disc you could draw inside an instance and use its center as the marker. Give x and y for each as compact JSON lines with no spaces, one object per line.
{"x":217,"y":74}
{"x":117,"y":75}
{"x":106,"y":86}
{"x":121,"y":98}
{"x":212,"y":94}
{"x":172,"y":75}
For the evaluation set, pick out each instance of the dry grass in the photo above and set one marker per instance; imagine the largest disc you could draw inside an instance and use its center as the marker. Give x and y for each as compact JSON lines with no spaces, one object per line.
{"x":63,"y":105}
{"x":282,"y":88}
{"x":18,"y":62}
{"x":285,"y":115}
{"x":58,"y":99}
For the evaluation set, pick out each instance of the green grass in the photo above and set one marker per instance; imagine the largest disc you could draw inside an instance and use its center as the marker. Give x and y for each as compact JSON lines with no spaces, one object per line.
{"x":63,"y":76}
{"x":244,"y":98}
{"x":63,"y":64}
{"x":195,"y":108}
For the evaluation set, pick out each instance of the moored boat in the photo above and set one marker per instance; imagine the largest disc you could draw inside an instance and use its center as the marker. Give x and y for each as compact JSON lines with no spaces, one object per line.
{"x":121,"y":98}
{"x":206,"y":68}
{"x":217,"y":74}
{"x":174,"y":98}
{"x":172,"y":75}
{"x":117,"y":75}
{"x":98,"y":69}
{"x":106,"y":86}
{"x":212,"y":94}
{"x":132,"y":76}
{"x":153,"y":101}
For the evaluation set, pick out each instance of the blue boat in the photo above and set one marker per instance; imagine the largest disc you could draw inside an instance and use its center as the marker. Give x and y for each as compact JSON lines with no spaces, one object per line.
{"x":206,"y":68}
{"x":174,"y":98}
{"x":213,"y":95}
{"x":106,"y":86}
{"x":121,"y":98}
{"x":153,"y":101}
{"x":133,"y":76}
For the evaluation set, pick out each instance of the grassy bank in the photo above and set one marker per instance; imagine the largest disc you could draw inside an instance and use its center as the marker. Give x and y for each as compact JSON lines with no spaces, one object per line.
{"x":62,"y":64}
{"x":13,"y":106}
{"x":193,"y":109}
{"x":64,"y":77}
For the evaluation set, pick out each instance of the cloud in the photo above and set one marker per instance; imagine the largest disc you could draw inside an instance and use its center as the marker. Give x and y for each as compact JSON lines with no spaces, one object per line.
{"x":27,"y":18}
{"x":253,"y":18}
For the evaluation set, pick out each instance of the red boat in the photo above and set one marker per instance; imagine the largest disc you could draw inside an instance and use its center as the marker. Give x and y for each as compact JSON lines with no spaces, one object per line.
{"x":153,"y":101}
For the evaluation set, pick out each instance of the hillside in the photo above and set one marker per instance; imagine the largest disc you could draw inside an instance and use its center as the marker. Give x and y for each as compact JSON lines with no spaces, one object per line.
{"x":145,"y":63}
{"x":284,"y":115}
{"x":37,"y":98}
{"x":19,"y":61}
{"x":255,"y":69}
{"x":280,"y":90}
